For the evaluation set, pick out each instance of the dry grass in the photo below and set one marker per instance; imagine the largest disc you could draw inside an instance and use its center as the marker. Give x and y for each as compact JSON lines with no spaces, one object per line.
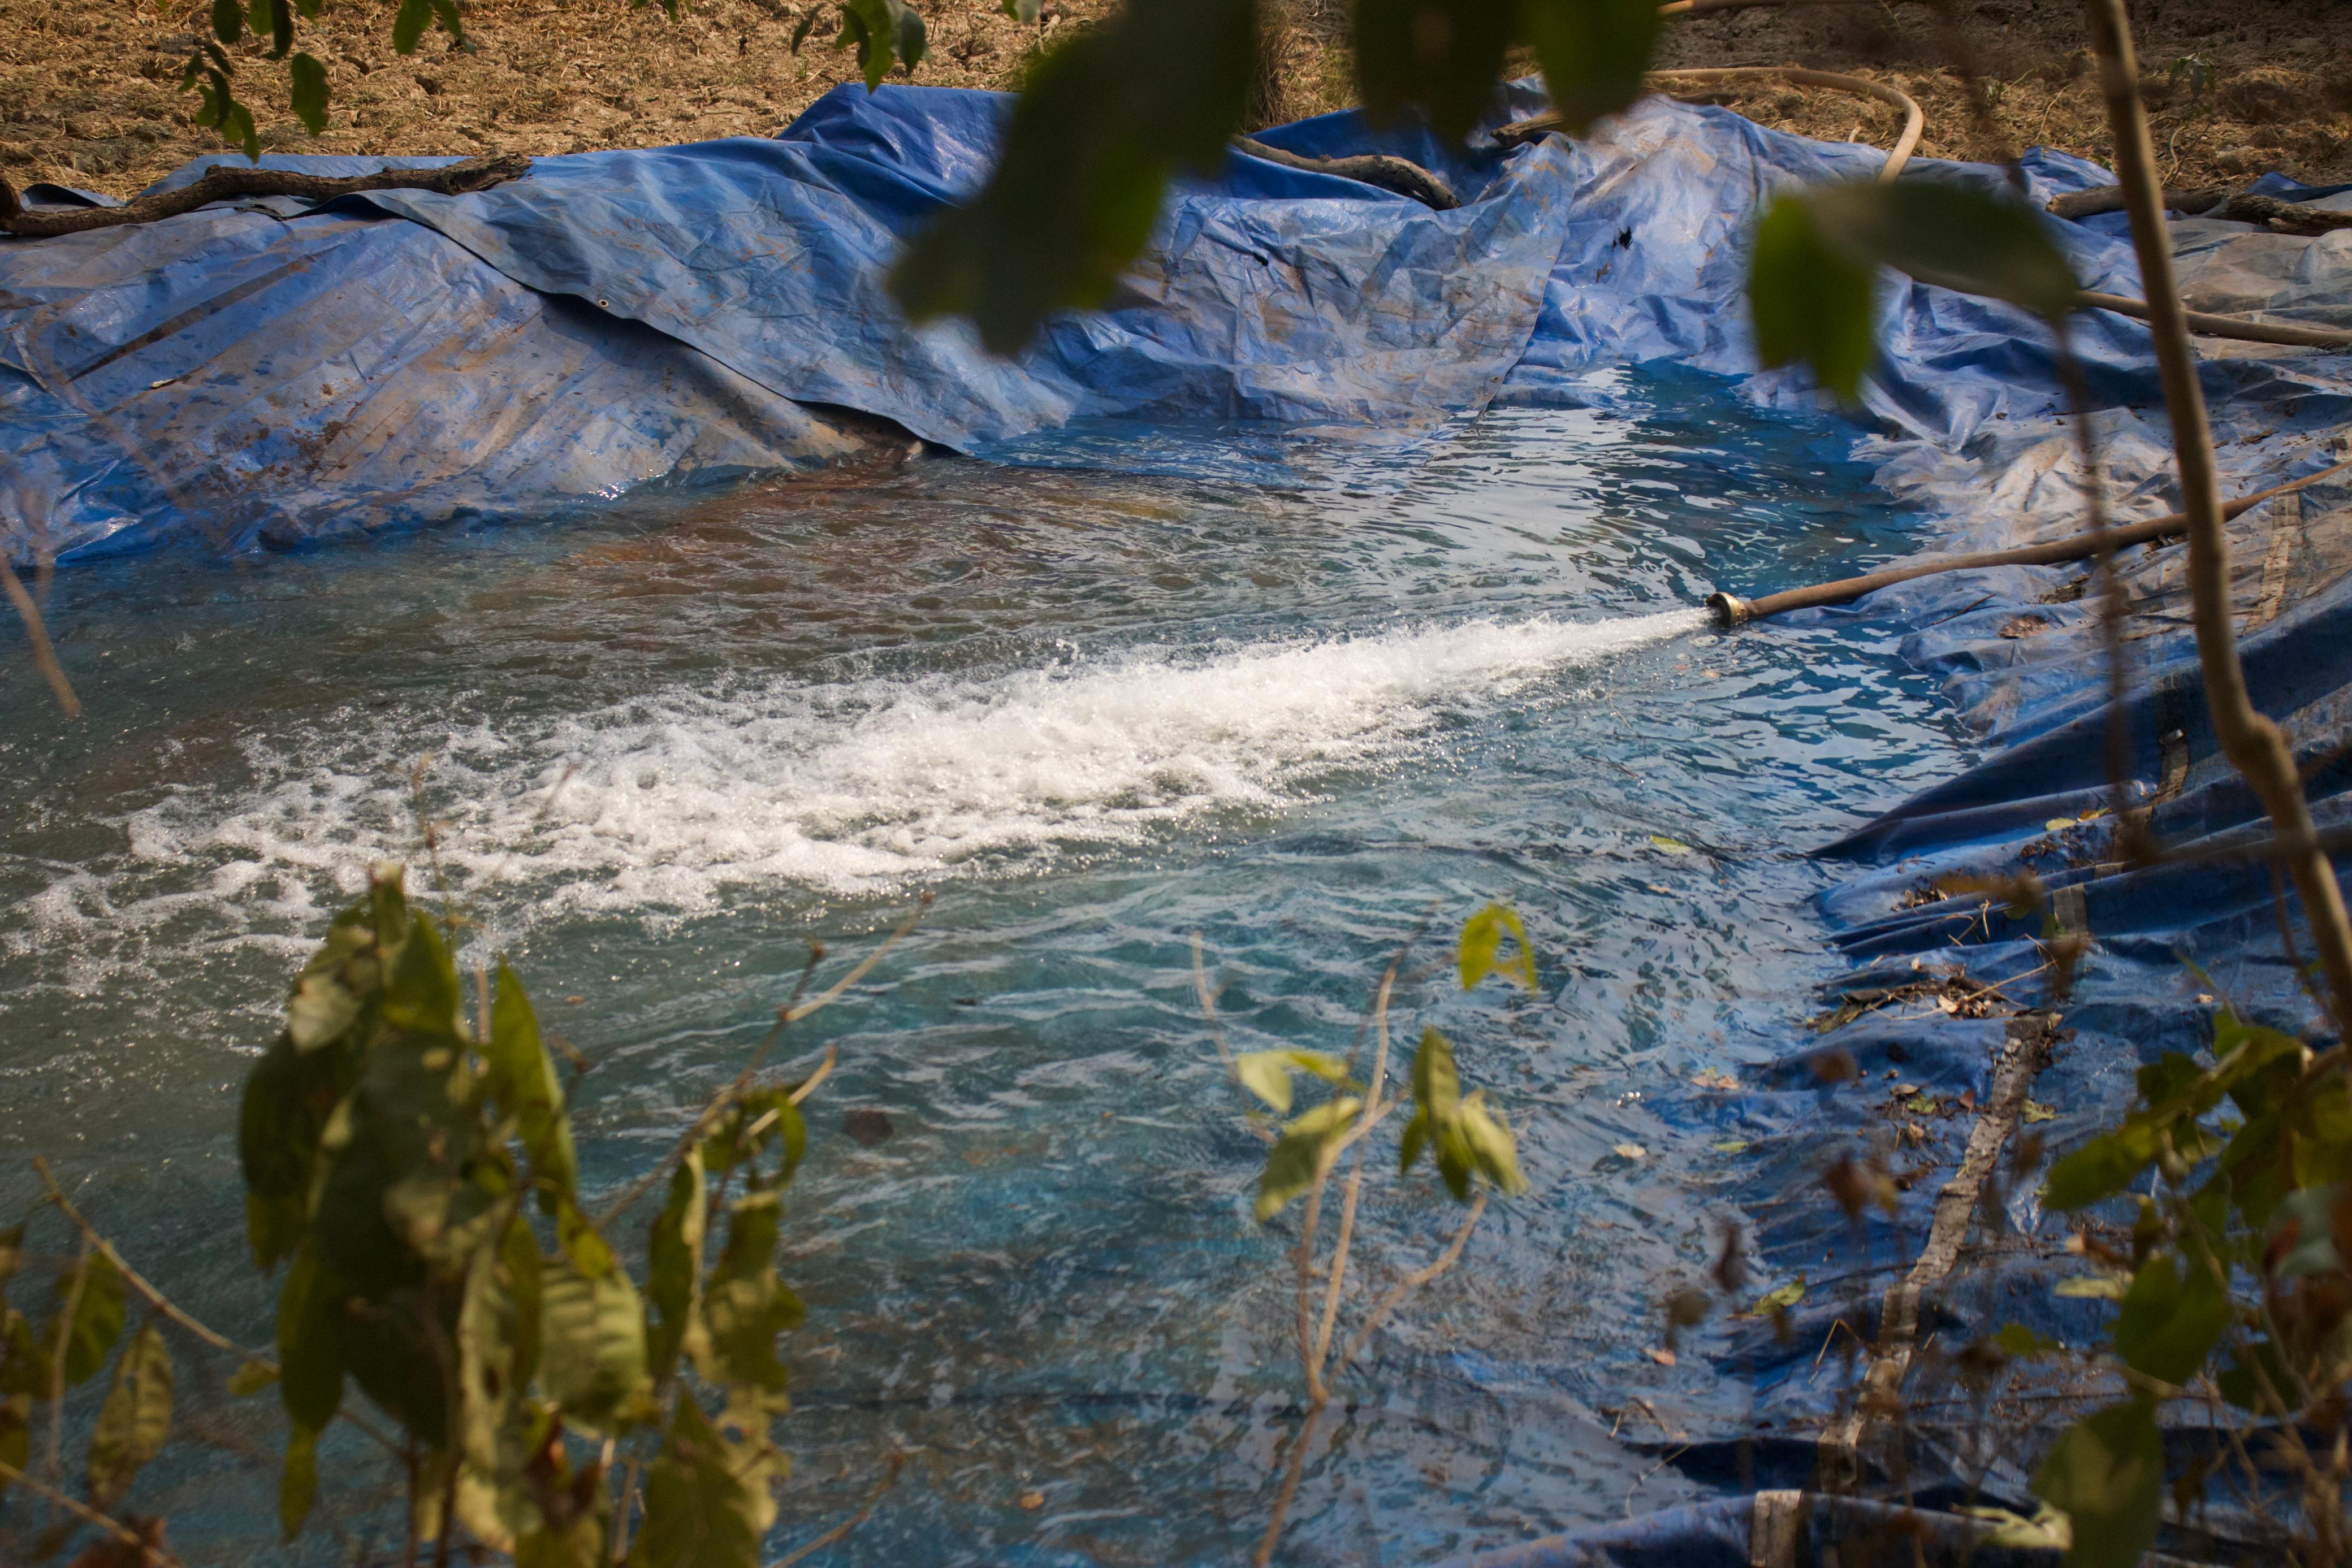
{"x":90,"y":95}
{"x":2237,"y":87}
{"x":90,"y":92}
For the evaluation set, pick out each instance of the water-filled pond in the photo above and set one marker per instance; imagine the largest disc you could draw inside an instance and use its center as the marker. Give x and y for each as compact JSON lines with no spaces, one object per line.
{"x":1097,"y":716}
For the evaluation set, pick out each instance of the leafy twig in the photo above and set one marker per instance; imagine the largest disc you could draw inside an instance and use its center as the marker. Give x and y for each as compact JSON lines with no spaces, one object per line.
{"x":150,"y":1551}
{"x":131,"y":1277}
{"x":791,"y":1012}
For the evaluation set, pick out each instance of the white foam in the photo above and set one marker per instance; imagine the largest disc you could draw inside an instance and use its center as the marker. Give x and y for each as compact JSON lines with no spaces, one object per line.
{"x":666,"y":799}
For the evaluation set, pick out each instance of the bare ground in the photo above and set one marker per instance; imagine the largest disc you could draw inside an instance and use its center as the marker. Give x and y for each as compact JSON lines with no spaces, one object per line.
{"x":90,"y":92}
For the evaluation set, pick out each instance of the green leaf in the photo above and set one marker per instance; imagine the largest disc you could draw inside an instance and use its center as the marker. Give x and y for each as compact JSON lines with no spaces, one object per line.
{"x":1781,"y":1299}
{"x":251,"y":1377}
{"x":745,"y":1306}
{"x":498,"y":1341}
{"x":133,"y":1421}
{"x":409,"y":25}
{"x":310,"y":1357}
{"x":328,"y":994}
{"x":2102,"y":1167}
{"x":1266,"y":1074}
{"x":1108,"y":117}
{"x":1811,"y":303}
{"x":591,"y":1358}
{"x":97,"y":1321}
{"x":707,"y":1501}
{"x":1023,"y":11}
{"x":1486,"y":1146}
{"x":1297,"y":1159}
{"x":1671,"y":846}
{"x":310,"y":80}
{"x":581,"y":1242}
{"x":1946,"y":233}
{"x":2093,"y":1287}
{"x":1445,"y":56}
{"x":885,"y":33}
{"x":229,"y":21}
{"x":1482,"y":940}
{"x":2023,"y":1342}
{"x":2170,"y":1322}
{"x":807,"y":26}
{"x":275,"y":18}
{"x":298,"y":1484}
{"x":15,"y":1435}
{"x":2048,"y":1531}
{"x":527,"y":1088}
{"x":1594,"y":53}
{"x":424,"y":993}
{"x":1467,"y":1138}
{"x":2107,"y":1474}
{"x":674,"y":1268}
{"x":2035,"y":1110}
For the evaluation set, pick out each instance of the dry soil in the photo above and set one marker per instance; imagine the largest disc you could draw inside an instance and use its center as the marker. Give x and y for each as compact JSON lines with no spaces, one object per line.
{"x":89,"y":91}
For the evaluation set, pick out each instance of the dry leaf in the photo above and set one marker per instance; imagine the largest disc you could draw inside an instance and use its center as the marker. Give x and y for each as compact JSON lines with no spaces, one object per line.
{"x":1033,"y":1500}
{"x":1663,"y":1357}
{"x":1631,"y":1152}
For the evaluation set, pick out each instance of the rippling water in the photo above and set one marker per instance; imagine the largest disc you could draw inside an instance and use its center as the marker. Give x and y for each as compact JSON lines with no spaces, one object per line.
{"x":1095,"y":715}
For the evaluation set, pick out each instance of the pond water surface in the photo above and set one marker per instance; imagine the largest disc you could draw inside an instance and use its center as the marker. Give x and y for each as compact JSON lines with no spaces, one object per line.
{"x":1095,"y":715}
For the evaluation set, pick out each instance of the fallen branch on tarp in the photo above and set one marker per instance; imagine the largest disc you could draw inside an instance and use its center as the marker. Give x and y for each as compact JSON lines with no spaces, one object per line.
{"x":1389,"y":173}
{"x":2204,"y":324}
{"x":1707,"y":78}
{"x":1732,"y":611}
{"x":2212,"y":202}
{"x":230,"y":181}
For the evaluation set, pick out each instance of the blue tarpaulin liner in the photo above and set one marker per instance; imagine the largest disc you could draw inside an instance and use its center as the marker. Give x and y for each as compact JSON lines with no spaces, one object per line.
{"x":266,"y":375}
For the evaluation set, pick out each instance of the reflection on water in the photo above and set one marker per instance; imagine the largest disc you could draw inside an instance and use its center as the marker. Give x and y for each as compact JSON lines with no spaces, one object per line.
{"x":1097,"y":715}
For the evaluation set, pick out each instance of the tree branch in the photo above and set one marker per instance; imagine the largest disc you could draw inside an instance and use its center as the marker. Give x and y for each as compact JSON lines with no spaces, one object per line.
{"x":2254,"y":745}
{"x":150,"y":1551}
{"x":131,"y":1277}
{"x":229,"y":182}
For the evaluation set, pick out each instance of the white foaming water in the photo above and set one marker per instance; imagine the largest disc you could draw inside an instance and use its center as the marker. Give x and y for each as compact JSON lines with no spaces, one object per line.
{"x":658,"y":803}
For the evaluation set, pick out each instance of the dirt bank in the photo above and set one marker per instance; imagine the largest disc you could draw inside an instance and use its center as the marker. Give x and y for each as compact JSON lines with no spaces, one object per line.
{"x":90,"y":92}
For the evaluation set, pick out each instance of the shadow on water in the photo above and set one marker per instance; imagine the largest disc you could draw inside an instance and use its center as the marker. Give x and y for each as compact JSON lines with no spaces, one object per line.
{"x":1097,"y":715}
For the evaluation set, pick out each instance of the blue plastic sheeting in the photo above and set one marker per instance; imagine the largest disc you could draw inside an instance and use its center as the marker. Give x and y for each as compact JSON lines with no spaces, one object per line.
{"x":261,"y":378}
{"x":259,"y":373}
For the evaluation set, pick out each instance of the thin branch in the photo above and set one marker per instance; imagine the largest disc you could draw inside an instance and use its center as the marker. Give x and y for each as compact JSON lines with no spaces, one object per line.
{"x":231,"y":180}
{"x":791,"y":1012}
{"x":1411,"y":1282}
{"x":1209,"y":1008}
{"x":1291,"y":1474}
{"x":827,"y":997}
{"x":44,"y":657}
{"x":2254,"y":744}
{"x":808,"y":1085}
{"x":131,"y":1277}
{"x":65,"y":1313}
{"x":1305,"y":1257}
{"x":152,"y":1552}
{"x":891,"y":1467}
{"x":1356,"y":1177}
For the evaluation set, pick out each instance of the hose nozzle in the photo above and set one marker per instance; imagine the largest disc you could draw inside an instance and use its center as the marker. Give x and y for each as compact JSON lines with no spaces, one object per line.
{"x":1731,"y":610}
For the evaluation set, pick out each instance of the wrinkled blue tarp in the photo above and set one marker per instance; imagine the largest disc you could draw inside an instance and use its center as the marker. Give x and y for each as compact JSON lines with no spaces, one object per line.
{"x":269,"y":374}
{"x":261,"y":374}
